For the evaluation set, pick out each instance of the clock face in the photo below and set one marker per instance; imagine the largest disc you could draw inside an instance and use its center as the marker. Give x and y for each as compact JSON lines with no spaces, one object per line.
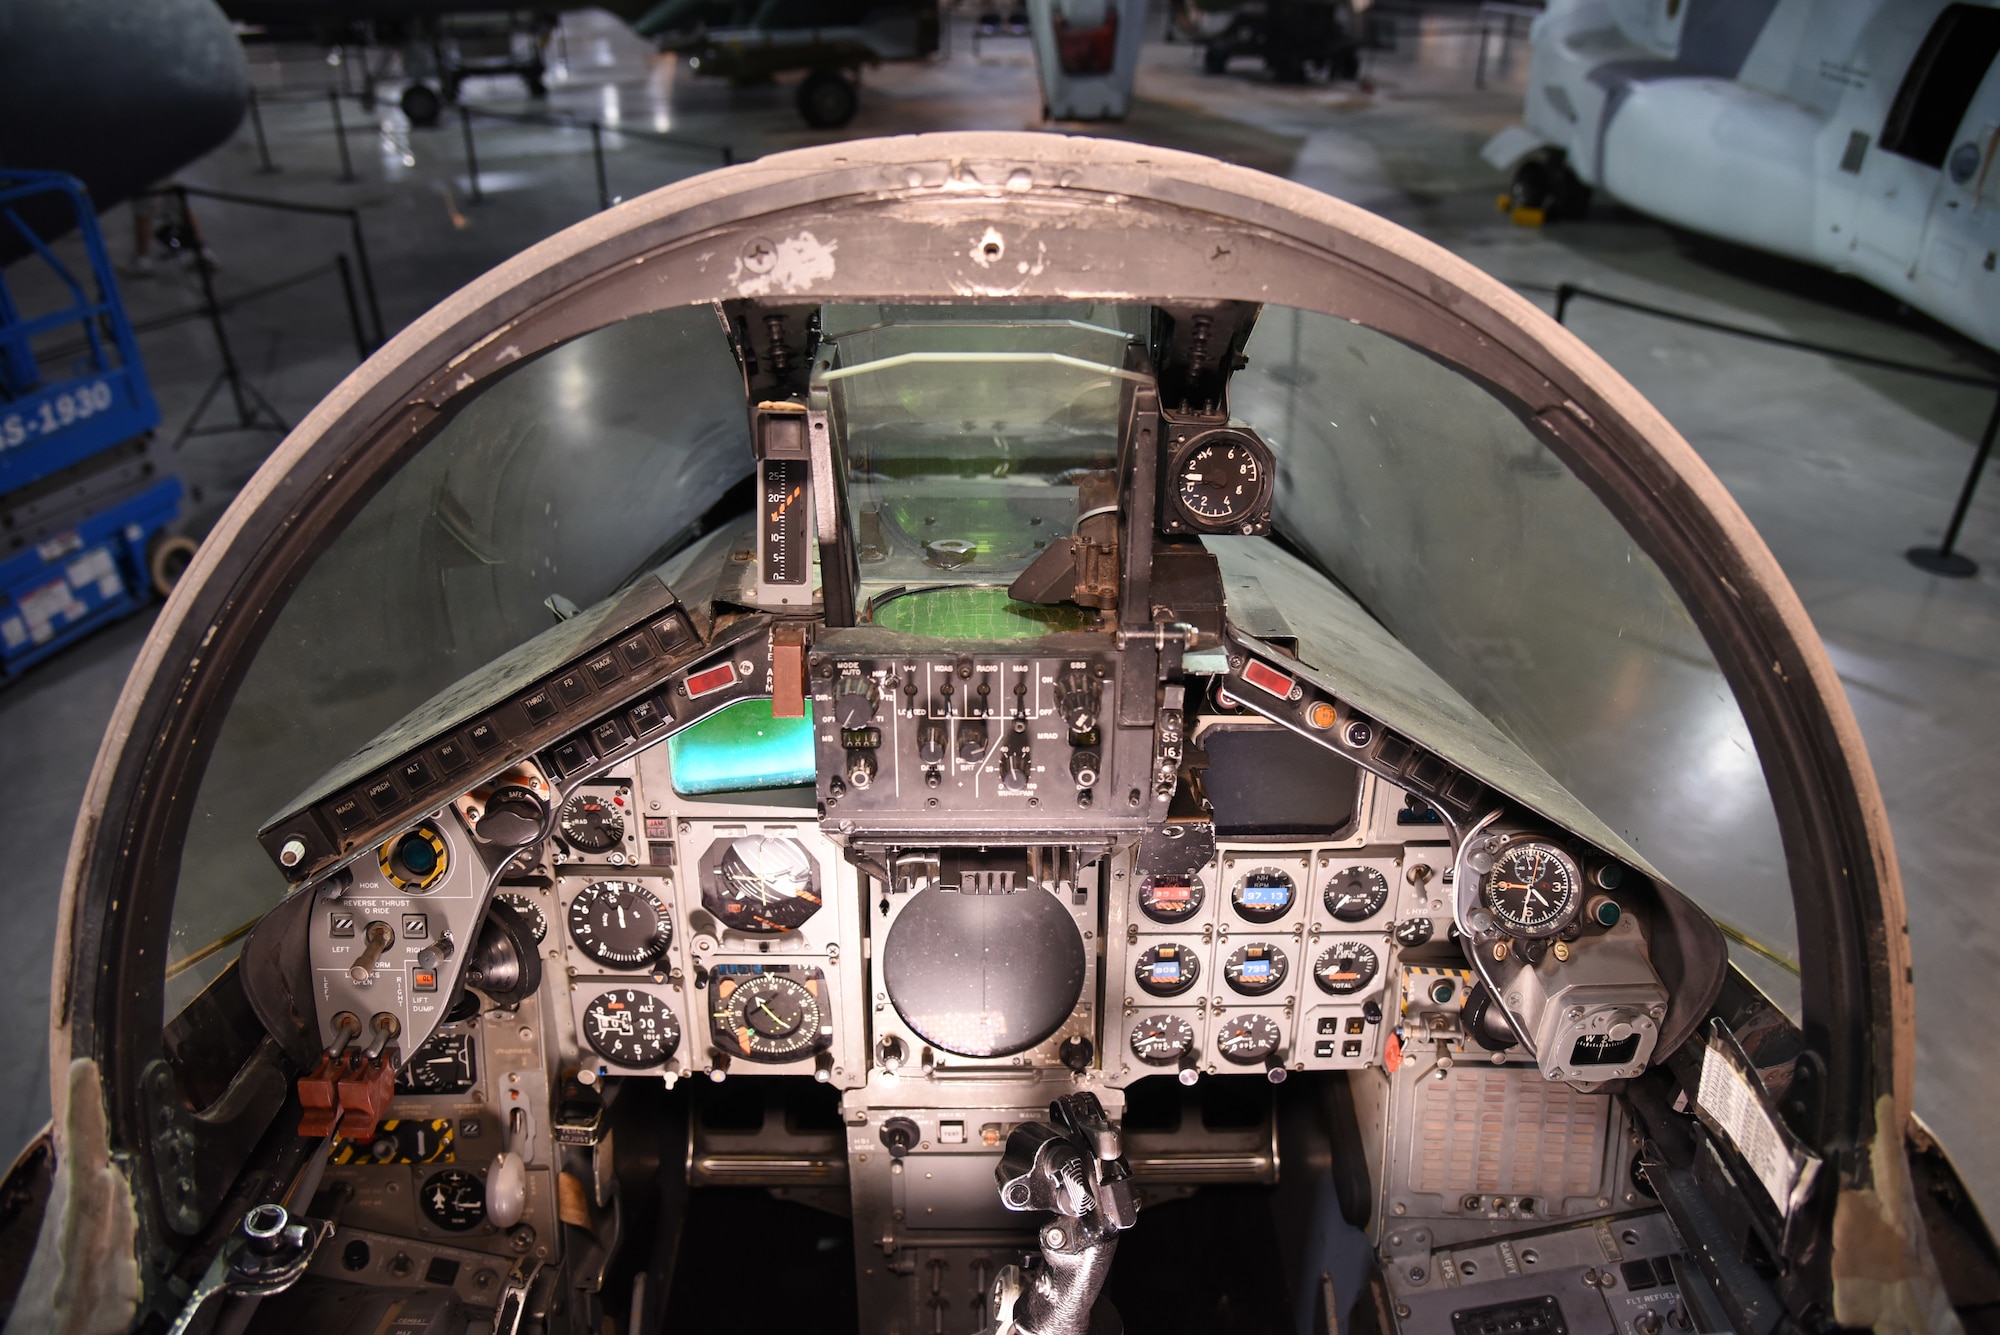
{"x":1533,"y":889}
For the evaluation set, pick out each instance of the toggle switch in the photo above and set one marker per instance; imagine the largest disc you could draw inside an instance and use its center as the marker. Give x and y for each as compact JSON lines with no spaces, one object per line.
{"x":380,"y":937}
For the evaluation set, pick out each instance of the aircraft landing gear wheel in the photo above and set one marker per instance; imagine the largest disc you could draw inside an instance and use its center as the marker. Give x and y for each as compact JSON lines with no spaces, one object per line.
{"x":167,"y":558}
{"x":827,"y":100}
{"x":422,"y":104}
{"x":1545,"y":184}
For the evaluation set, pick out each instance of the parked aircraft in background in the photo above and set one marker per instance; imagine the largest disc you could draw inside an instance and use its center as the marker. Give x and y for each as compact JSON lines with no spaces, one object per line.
{"x":1855,"y":134}
{"x":116,"y":94}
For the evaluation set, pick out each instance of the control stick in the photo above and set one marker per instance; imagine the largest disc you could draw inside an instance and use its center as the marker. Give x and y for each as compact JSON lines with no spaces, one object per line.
{"x":1075,"y":1170}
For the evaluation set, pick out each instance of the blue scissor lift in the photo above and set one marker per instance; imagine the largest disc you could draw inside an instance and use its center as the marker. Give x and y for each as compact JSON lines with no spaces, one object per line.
{"x":84,"y":510}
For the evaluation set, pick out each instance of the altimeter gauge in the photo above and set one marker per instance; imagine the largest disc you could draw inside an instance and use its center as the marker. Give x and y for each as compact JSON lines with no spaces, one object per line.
{"x":631,"y":1027}
{"x":592,"y":823}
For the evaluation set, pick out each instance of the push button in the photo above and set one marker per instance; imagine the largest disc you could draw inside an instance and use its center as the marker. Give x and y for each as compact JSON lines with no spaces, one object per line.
{"x":348,"y":814}
{"x":340,"y":924}
{"x":671,"y":632}
{"x":644,"y":717}
{"x":416,"y":774}
{"x":538,"y":704}
{"x":608,"y":736}
{"x":573,"y":757}
{"x":450,"y":757}
{"x":423,"y":980}
{"x":417,"y":926}
{"x":484,"y":737}
{"x":382,"y":795}
{"x":572,"y":686}
{"x":603,"y":669}
{"x":634,"y":650}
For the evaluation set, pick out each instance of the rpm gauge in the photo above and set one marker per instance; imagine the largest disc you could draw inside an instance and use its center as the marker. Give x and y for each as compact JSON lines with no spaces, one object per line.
{"x":1248,"y":1039}
{"x":770,"y":1017}
{"x":760,"y":883}
{"x":631,"y":1027}
{"x":1357,"y":894}
{"x":1533,"y":888}
{"x":1167,"y":970}
{"x":619,"y":923}
{"x":1255,"y":969}
{"x":1162,"y":1040}
{"x":1264,"y":894}
{"x":528,"y":911}
{"x":592,"y":823}
{"x":1170,"y":899}
{"x":1345,"y":967}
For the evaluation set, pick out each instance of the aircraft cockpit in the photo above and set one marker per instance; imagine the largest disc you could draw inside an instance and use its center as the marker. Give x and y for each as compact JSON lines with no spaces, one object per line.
{"x":834,"y":743}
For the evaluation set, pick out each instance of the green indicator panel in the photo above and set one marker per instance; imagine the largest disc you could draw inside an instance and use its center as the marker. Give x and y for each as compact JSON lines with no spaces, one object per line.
{"x":976,"y":612}
{"x":742,"y":748}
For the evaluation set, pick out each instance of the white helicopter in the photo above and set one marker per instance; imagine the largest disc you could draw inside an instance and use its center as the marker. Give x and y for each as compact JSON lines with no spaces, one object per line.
{"x":1855,"y":134}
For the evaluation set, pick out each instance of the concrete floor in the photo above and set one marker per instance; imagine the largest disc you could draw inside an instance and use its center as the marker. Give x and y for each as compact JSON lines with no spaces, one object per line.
{"x":1841,"y":468}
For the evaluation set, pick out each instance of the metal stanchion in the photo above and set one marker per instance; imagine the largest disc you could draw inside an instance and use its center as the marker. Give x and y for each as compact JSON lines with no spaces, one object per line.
{"x":597,"y":153}
{"x":340,"y":135}
{"x":265,"y":166}
{"x":471,"y":153}
{"x":1942,"y":559}
{"x":353,"y":310}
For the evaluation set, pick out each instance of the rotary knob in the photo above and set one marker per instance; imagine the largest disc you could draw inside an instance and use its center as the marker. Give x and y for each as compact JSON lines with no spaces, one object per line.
{"x":853,"y":702}
{"x":1076,"y":697}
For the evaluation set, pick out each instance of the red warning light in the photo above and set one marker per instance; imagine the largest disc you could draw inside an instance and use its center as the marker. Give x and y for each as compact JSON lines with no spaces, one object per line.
{"x":710,"y":680}
{"x":1268,"y":679}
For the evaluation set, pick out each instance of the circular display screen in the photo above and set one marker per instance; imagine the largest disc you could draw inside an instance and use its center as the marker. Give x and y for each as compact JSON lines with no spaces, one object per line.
{"x":984,"y":975}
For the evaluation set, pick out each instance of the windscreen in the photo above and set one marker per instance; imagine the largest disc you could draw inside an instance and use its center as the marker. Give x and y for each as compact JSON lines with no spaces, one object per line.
{"x":970,"y":445}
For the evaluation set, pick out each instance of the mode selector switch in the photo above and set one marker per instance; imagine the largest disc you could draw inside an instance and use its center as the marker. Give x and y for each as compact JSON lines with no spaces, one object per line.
{"x":1077,"y":697}
{"x":971,"y":742}
{"x":853,"y":702}
{"x":930,"y":742}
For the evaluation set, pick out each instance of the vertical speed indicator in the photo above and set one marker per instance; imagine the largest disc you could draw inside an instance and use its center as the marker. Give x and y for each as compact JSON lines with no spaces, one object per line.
{"x":785,"y":504}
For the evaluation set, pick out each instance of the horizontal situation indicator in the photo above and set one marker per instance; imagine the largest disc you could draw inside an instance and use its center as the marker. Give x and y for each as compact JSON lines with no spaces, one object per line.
{"x":1268,"y":679}
{"x":710,"y":680}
